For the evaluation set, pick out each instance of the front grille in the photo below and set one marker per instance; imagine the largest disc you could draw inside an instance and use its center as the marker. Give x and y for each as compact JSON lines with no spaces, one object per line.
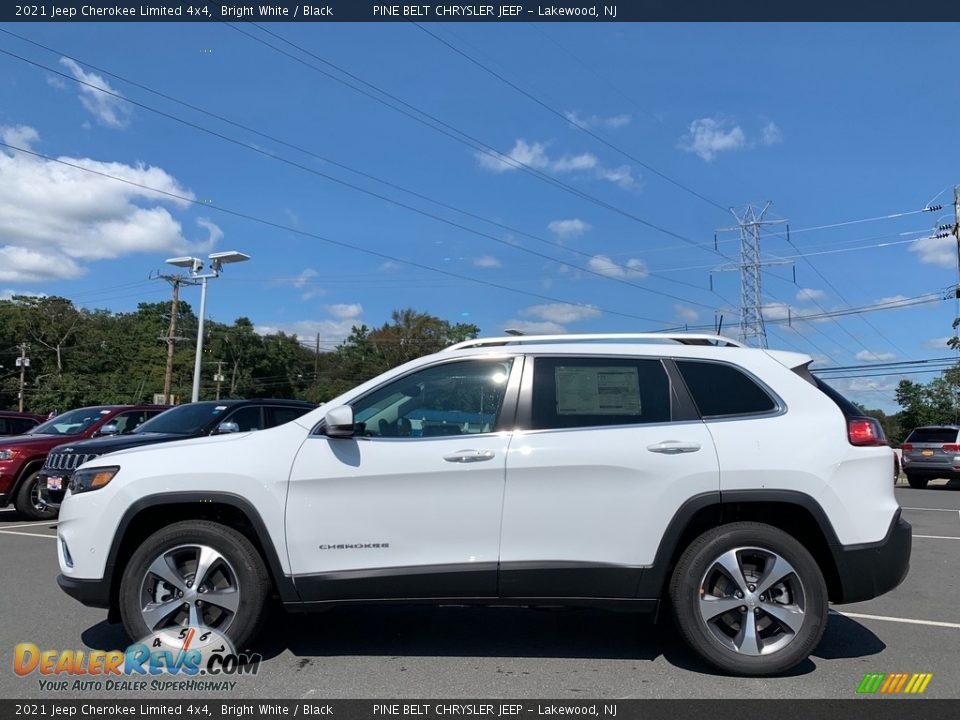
{"x":66,"y":461}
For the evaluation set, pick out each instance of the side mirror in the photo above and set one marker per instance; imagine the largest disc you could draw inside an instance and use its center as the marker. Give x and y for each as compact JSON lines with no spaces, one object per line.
{"x":109,"y":429}
{"x":227,"y":427}
{"x":339,"y":422}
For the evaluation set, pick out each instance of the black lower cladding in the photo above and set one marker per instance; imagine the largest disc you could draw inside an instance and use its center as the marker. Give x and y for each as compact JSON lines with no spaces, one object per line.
{"x":474,"y":580}
{"x":92,"y":593}
{"x":869,"y":570}
{"x":440,"y":581}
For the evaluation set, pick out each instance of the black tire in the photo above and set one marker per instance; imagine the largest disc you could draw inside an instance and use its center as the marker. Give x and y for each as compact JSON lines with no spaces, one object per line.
{"x":240,"y":560}
{"x":27,"y":501}
{"x":699,"y":568}
{"x":917,"y":482}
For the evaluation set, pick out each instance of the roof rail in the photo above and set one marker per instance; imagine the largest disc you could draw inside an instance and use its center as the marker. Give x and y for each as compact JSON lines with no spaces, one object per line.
{"x":683,"y":339}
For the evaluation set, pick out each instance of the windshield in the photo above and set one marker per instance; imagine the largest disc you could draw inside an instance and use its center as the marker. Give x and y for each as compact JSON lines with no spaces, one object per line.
{"x":71,"y":423}
{"x":184,"y":420}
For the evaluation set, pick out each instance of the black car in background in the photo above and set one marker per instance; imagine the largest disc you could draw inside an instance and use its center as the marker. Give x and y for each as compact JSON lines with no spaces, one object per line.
{"x":195,"y":420}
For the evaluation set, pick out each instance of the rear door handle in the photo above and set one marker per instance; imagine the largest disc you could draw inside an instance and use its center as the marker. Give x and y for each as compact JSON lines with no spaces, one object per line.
{"x":469,"y":456}
{"x":674,"y":447}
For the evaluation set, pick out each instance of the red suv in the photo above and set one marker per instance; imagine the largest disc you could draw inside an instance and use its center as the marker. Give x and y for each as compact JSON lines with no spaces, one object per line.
{"x":17,"y":423}
{"x":22,"y":456}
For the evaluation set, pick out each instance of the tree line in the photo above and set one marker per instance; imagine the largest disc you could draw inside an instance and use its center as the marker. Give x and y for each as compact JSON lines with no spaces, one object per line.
{"x":82,"y":357}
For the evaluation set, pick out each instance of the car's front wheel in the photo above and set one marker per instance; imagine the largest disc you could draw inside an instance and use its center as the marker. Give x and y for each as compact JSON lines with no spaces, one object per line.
{"x":28,"y":501}
{"x":195,"y":573}
{"x":749,"y":599}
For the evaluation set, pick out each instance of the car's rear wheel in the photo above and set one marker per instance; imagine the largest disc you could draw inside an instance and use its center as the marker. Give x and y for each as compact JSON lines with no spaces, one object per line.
{"x":749,"y":599}
{"x":195,"y":573}
{"x":28,"y":501}
{"x":917,"y":482}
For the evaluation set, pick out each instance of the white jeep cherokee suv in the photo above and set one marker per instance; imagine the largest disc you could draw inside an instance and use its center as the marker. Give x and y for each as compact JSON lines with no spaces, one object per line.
{"x":619,"y":471}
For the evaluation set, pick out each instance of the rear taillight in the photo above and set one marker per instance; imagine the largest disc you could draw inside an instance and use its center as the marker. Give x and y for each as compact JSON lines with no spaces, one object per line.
{"x":906,"y":447}
{"x":864,"y":431}
{"x":951,"y":448}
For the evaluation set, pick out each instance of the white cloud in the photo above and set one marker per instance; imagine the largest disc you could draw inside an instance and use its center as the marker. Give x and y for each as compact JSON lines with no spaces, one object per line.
{"x":332,"y":332}
{"x":871,"y":356}
{"x":895,"y":301}
{"x":632,"y":268}
{"x":55,"y":218}
{"x":937,"y":251}
{"x":344,"y":311}
{"x":487,"y":261}
{"x":622,"y":176}
{"x":686,"y":313}
{"x":939,"y":343}
{"x":709,"y":136}
{"x":810,"y":294}
{"x":9,"y":293}
{"x":566,"y":229}
{"x":523,"y":153}
{"x":535,"y":155}
{"x":303,"y":278}
{"x":570,"y":163}
{"x":771,"y":134}
{"x":530,"y":327}
{"x":107,"y":109}
{"x":613,"y":122}
{"x":560,"y":312}
{"x":776,"y":311}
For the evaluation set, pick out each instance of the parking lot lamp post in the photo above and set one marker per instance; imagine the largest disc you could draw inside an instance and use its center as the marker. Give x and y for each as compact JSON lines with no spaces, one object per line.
{"x":195,"y":265}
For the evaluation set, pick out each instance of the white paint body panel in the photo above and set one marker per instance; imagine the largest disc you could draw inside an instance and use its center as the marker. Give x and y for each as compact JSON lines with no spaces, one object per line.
{"x":599,"y":495}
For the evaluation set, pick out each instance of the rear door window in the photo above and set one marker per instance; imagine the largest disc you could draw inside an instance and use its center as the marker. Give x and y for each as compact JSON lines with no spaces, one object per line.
{"x":598,"y":391}
{"x":722,"y":390}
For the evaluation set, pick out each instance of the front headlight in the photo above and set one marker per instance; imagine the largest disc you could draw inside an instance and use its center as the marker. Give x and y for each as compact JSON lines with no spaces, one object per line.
{"x":91,"y":479}
{"x":8,"y":454}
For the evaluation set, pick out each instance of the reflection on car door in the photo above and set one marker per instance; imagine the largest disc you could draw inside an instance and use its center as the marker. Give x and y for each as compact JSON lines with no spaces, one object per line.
{"x":410,"y":506}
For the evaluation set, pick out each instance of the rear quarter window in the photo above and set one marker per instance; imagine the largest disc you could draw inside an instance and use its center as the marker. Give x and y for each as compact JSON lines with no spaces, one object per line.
{"x":721,"y":390}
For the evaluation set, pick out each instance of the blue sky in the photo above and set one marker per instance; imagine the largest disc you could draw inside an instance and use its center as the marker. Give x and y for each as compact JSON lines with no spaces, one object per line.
{"x":833,"y":123}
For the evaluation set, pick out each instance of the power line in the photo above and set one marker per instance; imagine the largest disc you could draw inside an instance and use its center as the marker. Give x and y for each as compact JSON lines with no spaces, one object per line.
{"x":331,"y":241}
{"x":385,"y":198}
{"x":446,"y":128}
{"x":563,"y":116}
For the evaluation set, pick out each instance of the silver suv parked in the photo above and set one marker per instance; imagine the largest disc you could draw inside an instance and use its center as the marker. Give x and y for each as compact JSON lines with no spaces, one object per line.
{"x":931,"y":452}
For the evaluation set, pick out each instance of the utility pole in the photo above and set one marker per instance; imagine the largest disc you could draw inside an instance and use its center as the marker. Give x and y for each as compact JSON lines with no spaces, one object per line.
{"x":750,"y":225}
{"x":171,"y":338}
{"x":218,"y":378}
{"x":23,"y":362}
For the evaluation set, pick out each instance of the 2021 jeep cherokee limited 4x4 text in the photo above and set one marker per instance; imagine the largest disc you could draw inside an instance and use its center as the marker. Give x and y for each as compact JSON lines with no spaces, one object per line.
{"x":612,"y":471}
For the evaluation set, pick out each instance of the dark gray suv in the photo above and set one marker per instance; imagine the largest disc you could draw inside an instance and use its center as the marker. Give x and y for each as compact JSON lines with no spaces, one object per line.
{"x":931,"y":452}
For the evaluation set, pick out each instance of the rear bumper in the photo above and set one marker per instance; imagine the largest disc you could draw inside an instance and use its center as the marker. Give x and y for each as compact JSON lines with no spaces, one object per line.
{"x":869,"y":570}
{"x":92,"y":593}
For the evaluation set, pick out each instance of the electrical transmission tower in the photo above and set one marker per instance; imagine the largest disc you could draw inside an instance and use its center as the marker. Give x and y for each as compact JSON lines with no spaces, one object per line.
{"x":750,"y":224}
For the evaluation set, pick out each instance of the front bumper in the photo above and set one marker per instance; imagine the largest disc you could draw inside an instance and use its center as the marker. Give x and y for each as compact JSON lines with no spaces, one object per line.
{"x":92,"y":593}
{"x":53,"y":498}
{"x":872,"y":569}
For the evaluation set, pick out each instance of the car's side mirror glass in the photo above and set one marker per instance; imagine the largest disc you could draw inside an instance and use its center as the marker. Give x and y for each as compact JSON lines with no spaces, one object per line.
{"x":338,"y":422}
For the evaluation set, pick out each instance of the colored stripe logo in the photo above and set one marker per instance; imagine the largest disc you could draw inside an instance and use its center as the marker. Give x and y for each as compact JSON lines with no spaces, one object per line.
{"x":894,"y":683}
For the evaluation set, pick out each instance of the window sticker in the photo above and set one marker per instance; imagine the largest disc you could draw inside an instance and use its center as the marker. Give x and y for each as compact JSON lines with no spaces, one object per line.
{"x":597,"y":390}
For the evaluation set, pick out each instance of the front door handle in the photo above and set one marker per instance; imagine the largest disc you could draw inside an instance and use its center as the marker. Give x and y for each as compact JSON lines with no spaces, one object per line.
{"x":468,"y":456}
{"x":674,"y":447}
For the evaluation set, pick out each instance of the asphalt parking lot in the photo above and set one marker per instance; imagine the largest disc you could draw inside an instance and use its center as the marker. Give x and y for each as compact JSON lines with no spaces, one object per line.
{"x":451,"y":652}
